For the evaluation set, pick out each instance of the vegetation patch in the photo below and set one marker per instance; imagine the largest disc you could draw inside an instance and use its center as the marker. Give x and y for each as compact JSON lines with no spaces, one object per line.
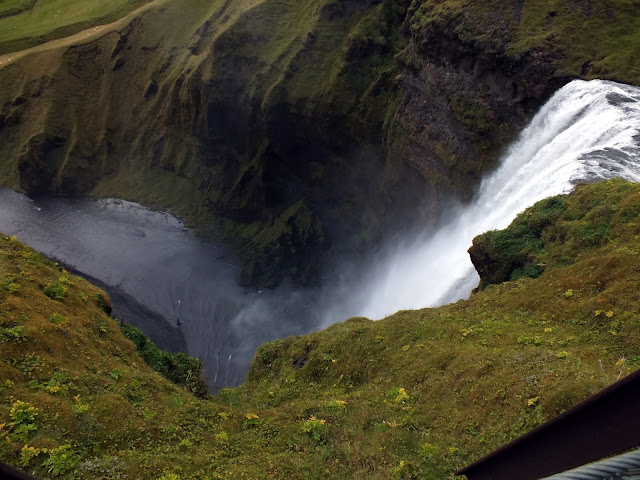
{"x":26,"y":23}
{"x":180,"y":368}
{"x":556,"y":232}
{"x":419,"y":394}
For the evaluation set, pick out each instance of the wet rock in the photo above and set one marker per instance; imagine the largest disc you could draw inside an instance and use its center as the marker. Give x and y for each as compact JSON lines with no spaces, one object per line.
{"x":300,"y":362}
{"x":38,"y":164}
{"x":151,"y":90}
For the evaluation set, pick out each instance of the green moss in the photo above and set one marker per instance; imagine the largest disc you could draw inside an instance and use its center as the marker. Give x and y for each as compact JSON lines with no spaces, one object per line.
{"x":596,"y":40}
{"x":555,"y":232}
{"x":177,"y":367}
{"x":471,"y":113}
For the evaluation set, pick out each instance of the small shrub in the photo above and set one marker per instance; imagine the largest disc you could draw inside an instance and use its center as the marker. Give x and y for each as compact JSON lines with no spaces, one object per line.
{"x":13,"y":334}
{"x":428,"y":451}
{"x":186,"y":443}
{"x":23,"y":413}
{"x":251,"y":421}
{"x":30,"y":256}
{"x":316,"y":429}
{"x":58,"y":319}
{"x":9,"y":284}
{"x":23,"y":416}
{"x":339,"y":405}
{"x":55,"y":291}
{"x":29,"y":453}
{"x":78,"y":407}
{"x":406,"y":471}
{"x":57,"y":383}
{"x":398,"y":395}
{"x":61,"y":460}
{"x":64,"y":280}
{"x":169,"y":476}
{"x":28,"y":362}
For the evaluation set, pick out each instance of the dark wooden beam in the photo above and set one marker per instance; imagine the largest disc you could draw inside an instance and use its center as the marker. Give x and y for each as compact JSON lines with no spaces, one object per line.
{"x":605,"y":424}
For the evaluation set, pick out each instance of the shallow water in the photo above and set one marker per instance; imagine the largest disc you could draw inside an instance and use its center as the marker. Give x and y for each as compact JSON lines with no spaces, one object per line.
{"x":155,"y":270}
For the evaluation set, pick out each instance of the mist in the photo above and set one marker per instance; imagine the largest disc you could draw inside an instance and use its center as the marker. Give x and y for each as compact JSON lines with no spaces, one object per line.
{"x":157,"y":271}
{"x":588,"y":131}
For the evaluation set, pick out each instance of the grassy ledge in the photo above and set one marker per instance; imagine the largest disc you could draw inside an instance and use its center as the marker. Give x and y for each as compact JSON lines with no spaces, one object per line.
{"x":27,"y":23}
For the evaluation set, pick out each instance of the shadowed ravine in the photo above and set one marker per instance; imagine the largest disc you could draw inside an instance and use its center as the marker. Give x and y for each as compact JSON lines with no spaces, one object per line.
{"x":586,"y":132}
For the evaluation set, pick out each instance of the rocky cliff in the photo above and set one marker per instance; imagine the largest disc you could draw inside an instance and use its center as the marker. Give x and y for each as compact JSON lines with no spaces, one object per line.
{"x":297,"y":127}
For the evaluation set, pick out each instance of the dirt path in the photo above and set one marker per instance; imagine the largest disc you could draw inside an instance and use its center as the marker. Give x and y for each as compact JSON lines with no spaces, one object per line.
{"x":79,"y":38}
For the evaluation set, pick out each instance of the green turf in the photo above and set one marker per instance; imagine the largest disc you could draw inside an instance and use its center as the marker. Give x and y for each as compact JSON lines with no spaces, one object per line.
{"x":35,"y":22}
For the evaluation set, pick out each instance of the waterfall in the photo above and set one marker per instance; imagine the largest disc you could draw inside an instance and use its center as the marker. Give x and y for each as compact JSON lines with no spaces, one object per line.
{"x":587,"y":131}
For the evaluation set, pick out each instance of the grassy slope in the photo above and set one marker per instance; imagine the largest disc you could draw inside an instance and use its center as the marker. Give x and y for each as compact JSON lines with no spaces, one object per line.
{"x":602,"y":33}
{"x":27,"y":23}
{"x":416,"y":395}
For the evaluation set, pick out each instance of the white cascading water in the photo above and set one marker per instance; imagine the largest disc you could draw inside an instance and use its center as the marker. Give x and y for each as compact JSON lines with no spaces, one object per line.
{"x":587,"y":131}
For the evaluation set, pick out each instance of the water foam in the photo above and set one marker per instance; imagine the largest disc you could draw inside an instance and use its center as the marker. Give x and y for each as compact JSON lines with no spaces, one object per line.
{"x":587,"y":131}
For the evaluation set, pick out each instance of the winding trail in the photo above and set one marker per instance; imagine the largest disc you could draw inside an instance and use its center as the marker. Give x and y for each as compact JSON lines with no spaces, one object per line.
{"x":80,"y":38}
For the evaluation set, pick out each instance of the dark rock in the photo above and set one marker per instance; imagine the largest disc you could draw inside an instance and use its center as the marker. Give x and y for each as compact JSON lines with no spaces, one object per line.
{"x":38,"y":165}
{"x":299,"y":362}
{"x":120,"y":62}
{"x":151,"y":90}
{"x":492,"y":267}
{"x":311,"y":39}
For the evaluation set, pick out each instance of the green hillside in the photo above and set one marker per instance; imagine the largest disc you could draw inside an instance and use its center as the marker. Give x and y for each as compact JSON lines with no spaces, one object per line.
{"x":26,"y":23}
{"x":416,"y":395}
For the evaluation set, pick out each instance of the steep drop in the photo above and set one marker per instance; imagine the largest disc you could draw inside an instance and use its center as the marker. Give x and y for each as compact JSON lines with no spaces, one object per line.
{"x":587,"y":131}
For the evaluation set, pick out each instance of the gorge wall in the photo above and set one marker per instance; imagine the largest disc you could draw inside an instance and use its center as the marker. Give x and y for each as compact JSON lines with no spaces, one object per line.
{"x":297,"y":127}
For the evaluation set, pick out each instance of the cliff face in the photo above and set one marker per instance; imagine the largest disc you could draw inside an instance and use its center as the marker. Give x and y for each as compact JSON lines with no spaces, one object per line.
{"x":296,"y":126}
